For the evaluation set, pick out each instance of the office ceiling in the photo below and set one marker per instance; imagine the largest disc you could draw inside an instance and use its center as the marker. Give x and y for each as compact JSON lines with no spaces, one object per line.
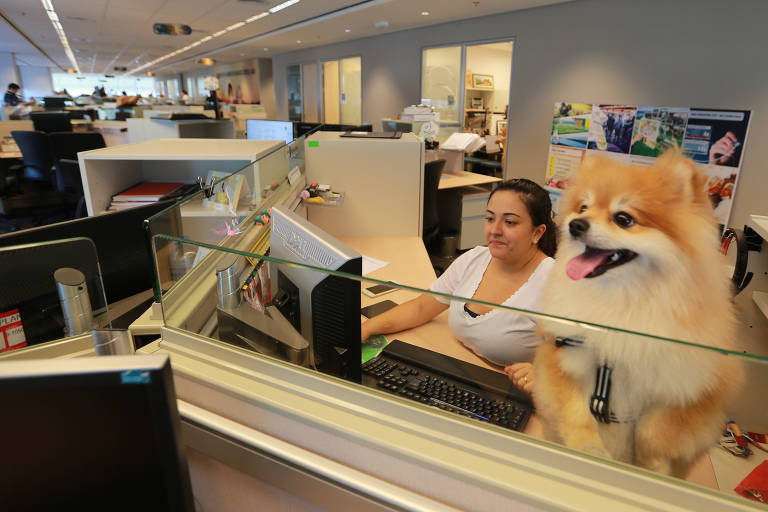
{"x":105,"y":34}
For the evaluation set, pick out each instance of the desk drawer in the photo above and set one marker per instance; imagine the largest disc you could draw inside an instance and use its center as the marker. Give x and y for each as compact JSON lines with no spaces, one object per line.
{"x":471,"y":232}
{"x":473,"y":206}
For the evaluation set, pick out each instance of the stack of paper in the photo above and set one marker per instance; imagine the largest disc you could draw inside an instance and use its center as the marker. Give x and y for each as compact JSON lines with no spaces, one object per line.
{"x":463,"y":142}
{"x":142,"y":194}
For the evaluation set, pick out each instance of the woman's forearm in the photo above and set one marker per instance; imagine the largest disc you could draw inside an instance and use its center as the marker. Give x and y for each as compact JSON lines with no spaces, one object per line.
{"x":409,"y":314}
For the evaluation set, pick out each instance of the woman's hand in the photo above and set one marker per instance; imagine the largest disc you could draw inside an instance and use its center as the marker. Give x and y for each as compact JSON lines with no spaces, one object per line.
{"x":521,"y":375}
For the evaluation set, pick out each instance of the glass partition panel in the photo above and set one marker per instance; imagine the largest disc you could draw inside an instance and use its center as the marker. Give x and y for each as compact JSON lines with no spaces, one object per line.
{"x":50,"y":290}
{"x":650,"y":400}
{"x":294,"y":92}
{"x":229,"y":203}
{"x":441,"y":86}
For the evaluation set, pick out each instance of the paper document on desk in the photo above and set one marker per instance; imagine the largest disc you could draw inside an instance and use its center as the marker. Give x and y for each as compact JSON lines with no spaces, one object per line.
{"x":372,"y":264}
{"x":372,"y":347}
{"x":461,"y":142}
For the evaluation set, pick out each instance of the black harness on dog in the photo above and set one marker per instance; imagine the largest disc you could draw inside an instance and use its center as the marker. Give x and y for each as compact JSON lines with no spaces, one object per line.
{"x":599,"y":404}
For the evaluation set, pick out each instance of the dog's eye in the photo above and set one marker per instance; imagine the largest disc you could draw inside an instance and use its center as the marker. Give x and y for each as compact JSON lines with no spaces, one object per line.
{"x":623,"y":219}
{"x":582,"y":208}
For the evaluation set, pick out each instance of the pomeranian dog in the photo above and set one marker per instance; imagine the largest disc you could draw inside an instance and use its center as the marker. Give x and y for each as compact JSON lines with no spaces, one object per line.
{"x":638,"y":251}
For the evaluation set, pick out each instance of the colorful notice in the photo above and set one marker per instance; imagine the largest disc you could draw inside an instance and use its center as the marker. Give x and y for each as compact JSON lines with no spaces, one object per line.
{"x":714,"y":138}
{"x":11,"y":331}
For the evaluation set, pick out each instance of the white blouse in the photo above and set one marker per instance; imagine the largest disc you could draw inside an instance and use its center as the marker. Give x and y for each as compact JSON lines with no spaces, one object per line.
{"x":500,"y":336}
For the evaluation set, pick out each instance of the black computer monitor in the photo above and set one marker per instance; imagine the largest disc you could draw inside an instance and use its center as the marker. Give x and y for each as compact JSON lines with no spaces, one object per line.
{"x":324,"y":308}
{"x":97,"y":433}
{"x":121,"y":244}
{"x":346,"y":127}
{"x":54,"y":102}
{"x":263,"y":129}
{"x":301,"y":129}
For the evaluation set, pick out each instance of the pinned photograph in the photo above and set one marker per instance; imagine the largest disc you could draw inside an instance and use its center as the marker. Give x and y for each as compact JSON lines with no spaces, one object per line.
{"x":482,"y":81}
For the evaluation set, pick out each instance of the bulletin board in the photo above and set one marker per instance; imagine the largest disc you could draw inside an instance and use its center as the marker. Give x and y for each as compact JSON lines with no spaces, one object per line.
{"x":714,"y":138}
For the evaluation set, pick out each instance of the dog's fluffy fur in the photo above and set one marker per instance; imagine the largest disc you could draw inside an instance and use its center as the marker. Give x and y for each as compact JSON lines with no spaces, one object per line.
{"x":670,"y":396}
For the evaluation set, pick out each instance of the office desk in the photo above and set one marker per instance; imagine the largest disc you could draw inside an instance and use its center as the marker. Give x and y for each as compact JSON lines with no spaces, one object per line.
{"x":463,"y":179}
{"x":409,"y":264}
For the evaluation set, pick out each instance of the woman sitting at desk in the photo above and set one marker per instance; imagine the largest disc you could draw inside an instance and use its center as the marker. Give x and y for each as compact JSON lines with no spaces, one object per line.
{"x":511,"y":271}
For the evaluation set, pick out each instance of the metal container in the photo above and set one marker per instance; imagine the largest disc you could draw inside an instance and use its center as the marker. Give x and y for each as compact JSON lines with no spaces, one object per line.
{"x":228,"y":277}
{"x":74,"y":300}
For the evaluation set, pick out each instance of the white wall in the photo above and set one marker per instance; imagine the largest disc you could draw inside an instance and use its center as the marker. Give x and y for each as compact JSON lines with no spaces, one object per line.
{"x":681,"y":53}
{"x":35,"y":82}
{"x":7,"y":70}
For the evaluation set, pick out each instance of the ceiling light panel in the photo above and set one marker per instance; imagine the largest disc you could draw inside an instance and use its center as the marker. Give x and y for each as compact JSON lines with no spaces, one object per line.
{"x":54,"y":17}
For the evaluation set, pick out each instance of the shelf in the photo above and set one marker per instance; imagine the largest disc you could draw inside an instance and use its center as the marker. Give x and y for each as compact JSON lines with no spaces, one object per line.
{"x":761,"y":299}
{"x":479,"y":89}
{"x":760,"y":224}
{"x":481,"y":110}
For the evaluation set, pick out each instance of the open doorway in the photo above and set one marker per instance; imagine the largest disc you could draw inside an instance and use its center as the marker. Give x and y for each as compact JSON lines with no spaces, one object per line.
{"x":469,"y":85}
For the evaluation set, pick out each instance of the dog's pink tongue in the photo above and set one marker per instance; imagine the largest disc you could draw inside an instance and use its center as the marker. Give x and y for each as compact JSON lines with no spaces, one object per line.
{"x":583,"y":264}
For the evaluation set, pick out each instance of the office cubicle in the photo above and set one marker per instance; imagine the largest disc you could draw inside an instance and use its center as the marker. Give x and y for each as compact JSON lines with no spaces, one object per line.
{"x":354,"y":422}
{"x":282,"y":412}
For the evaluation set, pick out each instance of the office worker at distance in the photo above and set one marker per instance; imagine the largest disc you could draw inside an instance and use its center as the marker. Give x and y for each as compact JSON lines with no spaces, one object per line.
{"x":512,"y":270}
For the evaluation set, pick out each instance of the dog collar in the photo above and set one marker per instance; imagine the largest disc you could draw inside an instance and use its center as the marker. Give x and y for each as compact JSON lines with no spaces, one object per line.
{"x":599,"y":401}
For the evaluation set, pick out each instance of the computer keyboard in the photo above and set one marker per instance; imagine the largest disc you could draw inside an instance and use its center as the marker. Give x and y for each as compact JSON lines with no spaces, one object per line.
{"x":450,"y":384}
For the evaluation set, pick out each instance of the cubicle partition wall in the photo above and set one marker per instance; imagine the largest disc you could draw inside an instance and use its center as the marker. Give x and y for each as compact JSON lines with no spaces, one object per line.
{"x":382,"y":181}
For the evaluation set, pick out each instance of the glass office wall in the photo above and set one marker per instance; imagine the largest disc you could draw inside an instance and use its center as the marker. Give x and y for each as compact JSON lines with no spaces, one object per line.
{"x":294,"y":93}
{"x":342,"y":94}
{"x":310,"y":87}
{"x":441,"y":85}
{"x":350,"y":90}
{"x":331,"y":98}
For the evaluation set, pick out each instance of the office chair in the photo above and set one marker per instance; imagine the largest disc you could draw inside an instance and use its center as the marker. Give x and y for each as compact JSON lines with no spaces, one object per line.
{"x":65,"y":146}
{"x":37,"y":155}
{"x":51,"y":121}
{"x":431,"y":221}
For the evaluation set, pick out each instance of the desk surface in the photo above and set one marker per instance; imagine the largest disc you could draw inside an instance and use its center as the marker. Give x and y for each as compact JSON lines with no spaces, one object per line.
{"x":409,"y":264}
{"x":10,"y":154}
{"x":463,"y":179}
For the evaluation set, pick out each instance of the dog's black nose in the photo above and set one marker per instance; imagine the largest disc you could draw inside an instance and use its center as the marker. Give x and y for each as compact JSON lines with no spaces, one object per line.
{"x":578,"y":227}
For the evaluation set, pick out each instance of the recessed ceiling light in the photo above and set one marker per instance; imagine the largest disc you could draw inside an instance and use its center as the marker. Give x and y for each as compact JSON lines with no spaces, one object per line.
{"x":266,"y":49}
{"x":424,"y":13}
{"x":347,"y":30}
{"x":298,"y":41}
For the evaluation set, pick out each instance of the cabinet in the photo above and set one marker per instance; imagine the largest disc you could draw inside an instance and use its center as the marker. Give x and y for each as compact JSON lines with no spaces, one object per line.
{"x":107,"y":171}
{"x":462,"y":210}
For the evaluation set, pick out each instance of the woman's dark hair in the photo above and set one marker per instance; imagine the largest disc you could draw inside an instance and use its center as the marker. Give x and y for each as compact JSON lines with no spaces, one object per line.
{"x":539,"y":206}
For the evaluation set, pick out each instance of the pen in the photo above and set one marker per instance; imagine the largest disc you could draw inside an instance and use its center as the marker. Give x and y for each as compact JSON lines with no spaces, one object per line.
{"x":473,"y":414}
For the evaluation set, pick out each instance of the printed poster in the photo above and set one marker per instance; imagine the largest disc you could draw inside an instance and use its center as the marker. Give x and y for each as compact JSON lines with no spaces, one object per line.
{"x":656,"y":129}
{"x":714,"y":138}
{"x":611,"y":128}
{"x":570,"y":124}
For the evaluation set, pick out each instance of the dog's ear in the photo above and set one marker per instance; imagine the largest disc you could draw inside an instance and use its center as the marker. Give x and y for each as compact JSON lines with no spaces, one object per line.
{"x":592,"y":162}
{"x":689,"y":180}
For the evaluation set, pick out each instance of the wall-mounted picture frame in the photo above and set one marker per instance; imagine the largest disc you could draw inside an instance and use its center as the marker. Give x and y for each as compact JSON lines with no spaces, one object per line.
{"x":501,"y":127}
{"x":482,"y":81}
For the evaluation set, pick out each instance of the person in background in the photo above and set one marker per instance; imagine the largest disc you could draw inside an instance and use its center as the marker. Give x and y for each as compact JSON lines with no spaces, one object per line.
{"x":12,"y":98}
{"x":512,"y":271}
{"x":185,"y":97}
